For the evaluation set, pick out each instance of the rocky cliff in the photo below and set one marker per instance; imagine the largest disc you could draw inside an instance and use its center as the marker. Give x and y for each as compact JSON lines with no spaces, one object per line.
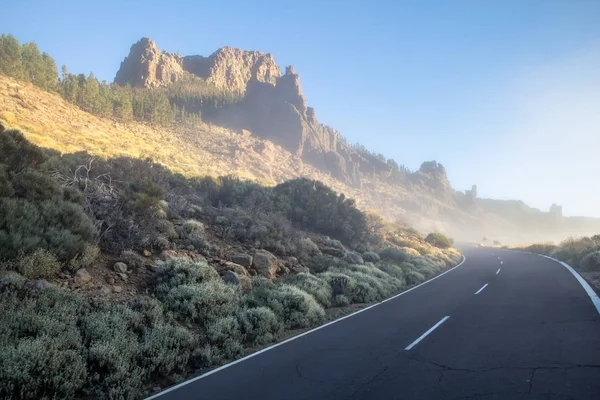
{"x":273,"y":104}
{"x":148,"y":67}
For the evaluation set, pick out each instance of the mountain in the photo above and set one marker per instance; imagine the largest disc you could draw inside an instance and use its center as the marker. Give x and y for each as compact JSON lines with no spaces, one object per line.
{"x":273,"y":105}
{"x":235,"y":112}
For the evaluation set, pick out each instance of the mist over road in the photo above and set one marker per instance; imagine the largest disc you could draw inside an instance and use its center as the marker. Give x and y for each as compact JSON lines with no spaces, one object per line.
{"x":503,"y":325}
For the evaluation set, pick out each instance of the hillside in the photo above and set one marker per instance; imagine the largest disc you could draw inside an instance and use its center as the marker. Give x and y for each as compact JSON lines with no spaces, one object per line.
{"x":203,"y":149}
{"x":235,"y":112}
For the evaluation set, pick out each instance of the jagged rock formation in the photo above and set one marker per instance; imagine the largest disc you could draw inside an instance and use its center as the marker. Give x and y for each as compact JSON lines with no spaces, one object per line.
{"x":146,"y":66}
{"x":273,"y":106}
{"x":432,"y":175}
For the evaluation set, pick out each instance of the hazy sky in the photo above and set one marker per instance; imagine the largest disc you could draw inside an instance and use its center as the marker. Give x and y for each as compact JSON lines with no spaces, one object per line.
{"x":505,"y":94}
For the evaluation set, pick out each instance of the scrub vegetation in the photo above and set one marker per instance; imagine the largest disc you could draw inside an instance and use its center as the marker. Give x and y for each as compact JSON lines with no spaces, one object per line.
{"x":66,"y":219}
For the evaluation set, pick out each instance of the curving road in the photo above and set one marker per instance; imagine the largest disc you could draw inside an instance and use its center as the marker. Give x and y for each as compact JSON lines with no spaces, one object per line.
{"x":503,"y":325}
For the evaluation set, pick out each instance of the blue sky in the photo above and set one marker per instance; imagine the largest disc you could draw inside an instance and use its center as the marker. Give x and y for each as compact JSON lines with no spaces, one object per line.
{"x":505,"y":94}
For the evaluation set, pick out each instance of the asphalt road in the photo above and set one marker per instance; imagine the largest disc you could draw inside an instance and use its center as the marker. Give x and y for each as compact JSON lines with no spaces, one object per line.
{"x":531,"y":333}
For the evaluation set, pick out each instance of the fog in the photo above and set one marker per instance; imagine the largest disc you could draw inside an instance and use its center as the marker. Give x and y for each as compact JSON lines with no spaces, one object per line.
{"x":549,"y":153}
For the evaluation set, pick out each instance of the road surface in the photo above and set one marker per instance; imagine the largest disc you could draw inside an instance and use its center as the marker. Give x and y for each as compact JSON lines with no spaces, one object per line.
{"x":503,"y":325}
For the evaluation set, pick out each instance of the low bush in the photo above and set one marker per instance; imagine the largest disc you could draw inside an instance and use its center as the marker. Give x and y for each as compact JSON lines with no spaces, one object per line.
{"x":259,"y":325}
{"x":399,"y":255}
{"x":370,"y":256}
{"x":60,"y":227}
{"x":175,"y":272}
{"x":85,"y":258}
{"x":132,"y":259}
{"x":202,"y":302}
{"x":314,"y":285}
{"x":591,"y":261}
{"x":57,"y":344}
{"x":322,"y":262}
{"x":295,"y":307}
{"x":39,"y":264}
{"x":393,"y":270}
{"x":224,"y":334}
{"x":439,"y":240}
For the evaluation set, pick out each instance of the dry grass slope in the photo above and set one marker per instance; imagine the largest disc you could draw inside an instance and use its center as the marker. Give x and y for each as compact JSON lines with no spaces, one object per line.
{"x":49,"y":121}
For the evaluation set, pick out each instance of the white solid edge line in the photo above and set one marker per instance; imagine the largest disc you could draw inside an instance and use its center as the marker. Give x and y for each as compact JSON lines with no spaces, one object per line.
{"x":413,"y":344}
{"x":297,"y":336}
{"x":497,"y":272}
{"x":586,"y":286}
{"x":480,"y":290}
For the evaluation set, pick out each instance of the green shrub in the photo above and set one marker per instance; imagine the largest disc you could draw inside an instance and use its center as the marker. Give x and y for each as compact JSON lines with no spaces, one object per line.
{"x":341,"y":300}
{"x":368,"y":283}
{"x":112,"y":354}
{"x":307,"y":248}
{"x":340,"y":282}
{"x":86,"y":258}
{"x":413,"y":277}
{"x":43,"y":367}
{"x":6,"y":188}
{"x":224,"y":334}
{"x":39,"y":264}
{"x":203,"y":302}
{"x":399,"y":255}
{"x":60,"y":227}
{"x":591,"y":261}
{"x":192,"y":226}
{"x":36,"y":187}
{"x":259,"y":325}
{"x":370,"y":256}
{"x":393,"y":270}
{"x":296,"y":308}
{"x":313,"y":206}
{"x":181,"y":271}
{"x":132,"y":259}
{"x":322,"y":262}
{"x":57,"y":344}
{"x":167,"y":349}
{"x":18,"y":153}
{"x":311,"y":284}
{"x":438,"y":239}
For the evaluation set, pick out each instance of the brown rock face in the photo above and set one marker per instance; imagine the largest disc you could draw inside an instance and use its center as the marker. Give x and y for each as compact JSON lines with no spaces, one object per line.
{"x":273,"y":107}
{"x":232,"y":69}
{"x":146,"y":66}
{"x":227,"y":68}
{"x":265,"y":264}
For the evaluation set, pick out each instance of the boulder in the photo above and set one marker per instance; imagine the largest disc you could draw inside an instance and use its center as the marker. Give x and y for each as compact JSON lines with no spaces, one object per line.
{"x":245,"y":260}
{"x":82,"y":276}
{"x":117,"y":289}
{"x":238,"y":269}
{"x":147,"y":253}
{"x":353,"y":258}
{"x":120,"y":267}
{"x":243,"y":281}
{"x":231,"y":277}
{"x":265,"y":263}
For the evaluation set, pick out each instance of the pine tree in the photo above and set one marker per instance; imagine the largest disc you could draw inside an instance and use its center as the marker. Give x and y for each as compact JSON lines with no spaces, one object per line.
{"x":33,"y":64}
{"x":10,"y":57}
